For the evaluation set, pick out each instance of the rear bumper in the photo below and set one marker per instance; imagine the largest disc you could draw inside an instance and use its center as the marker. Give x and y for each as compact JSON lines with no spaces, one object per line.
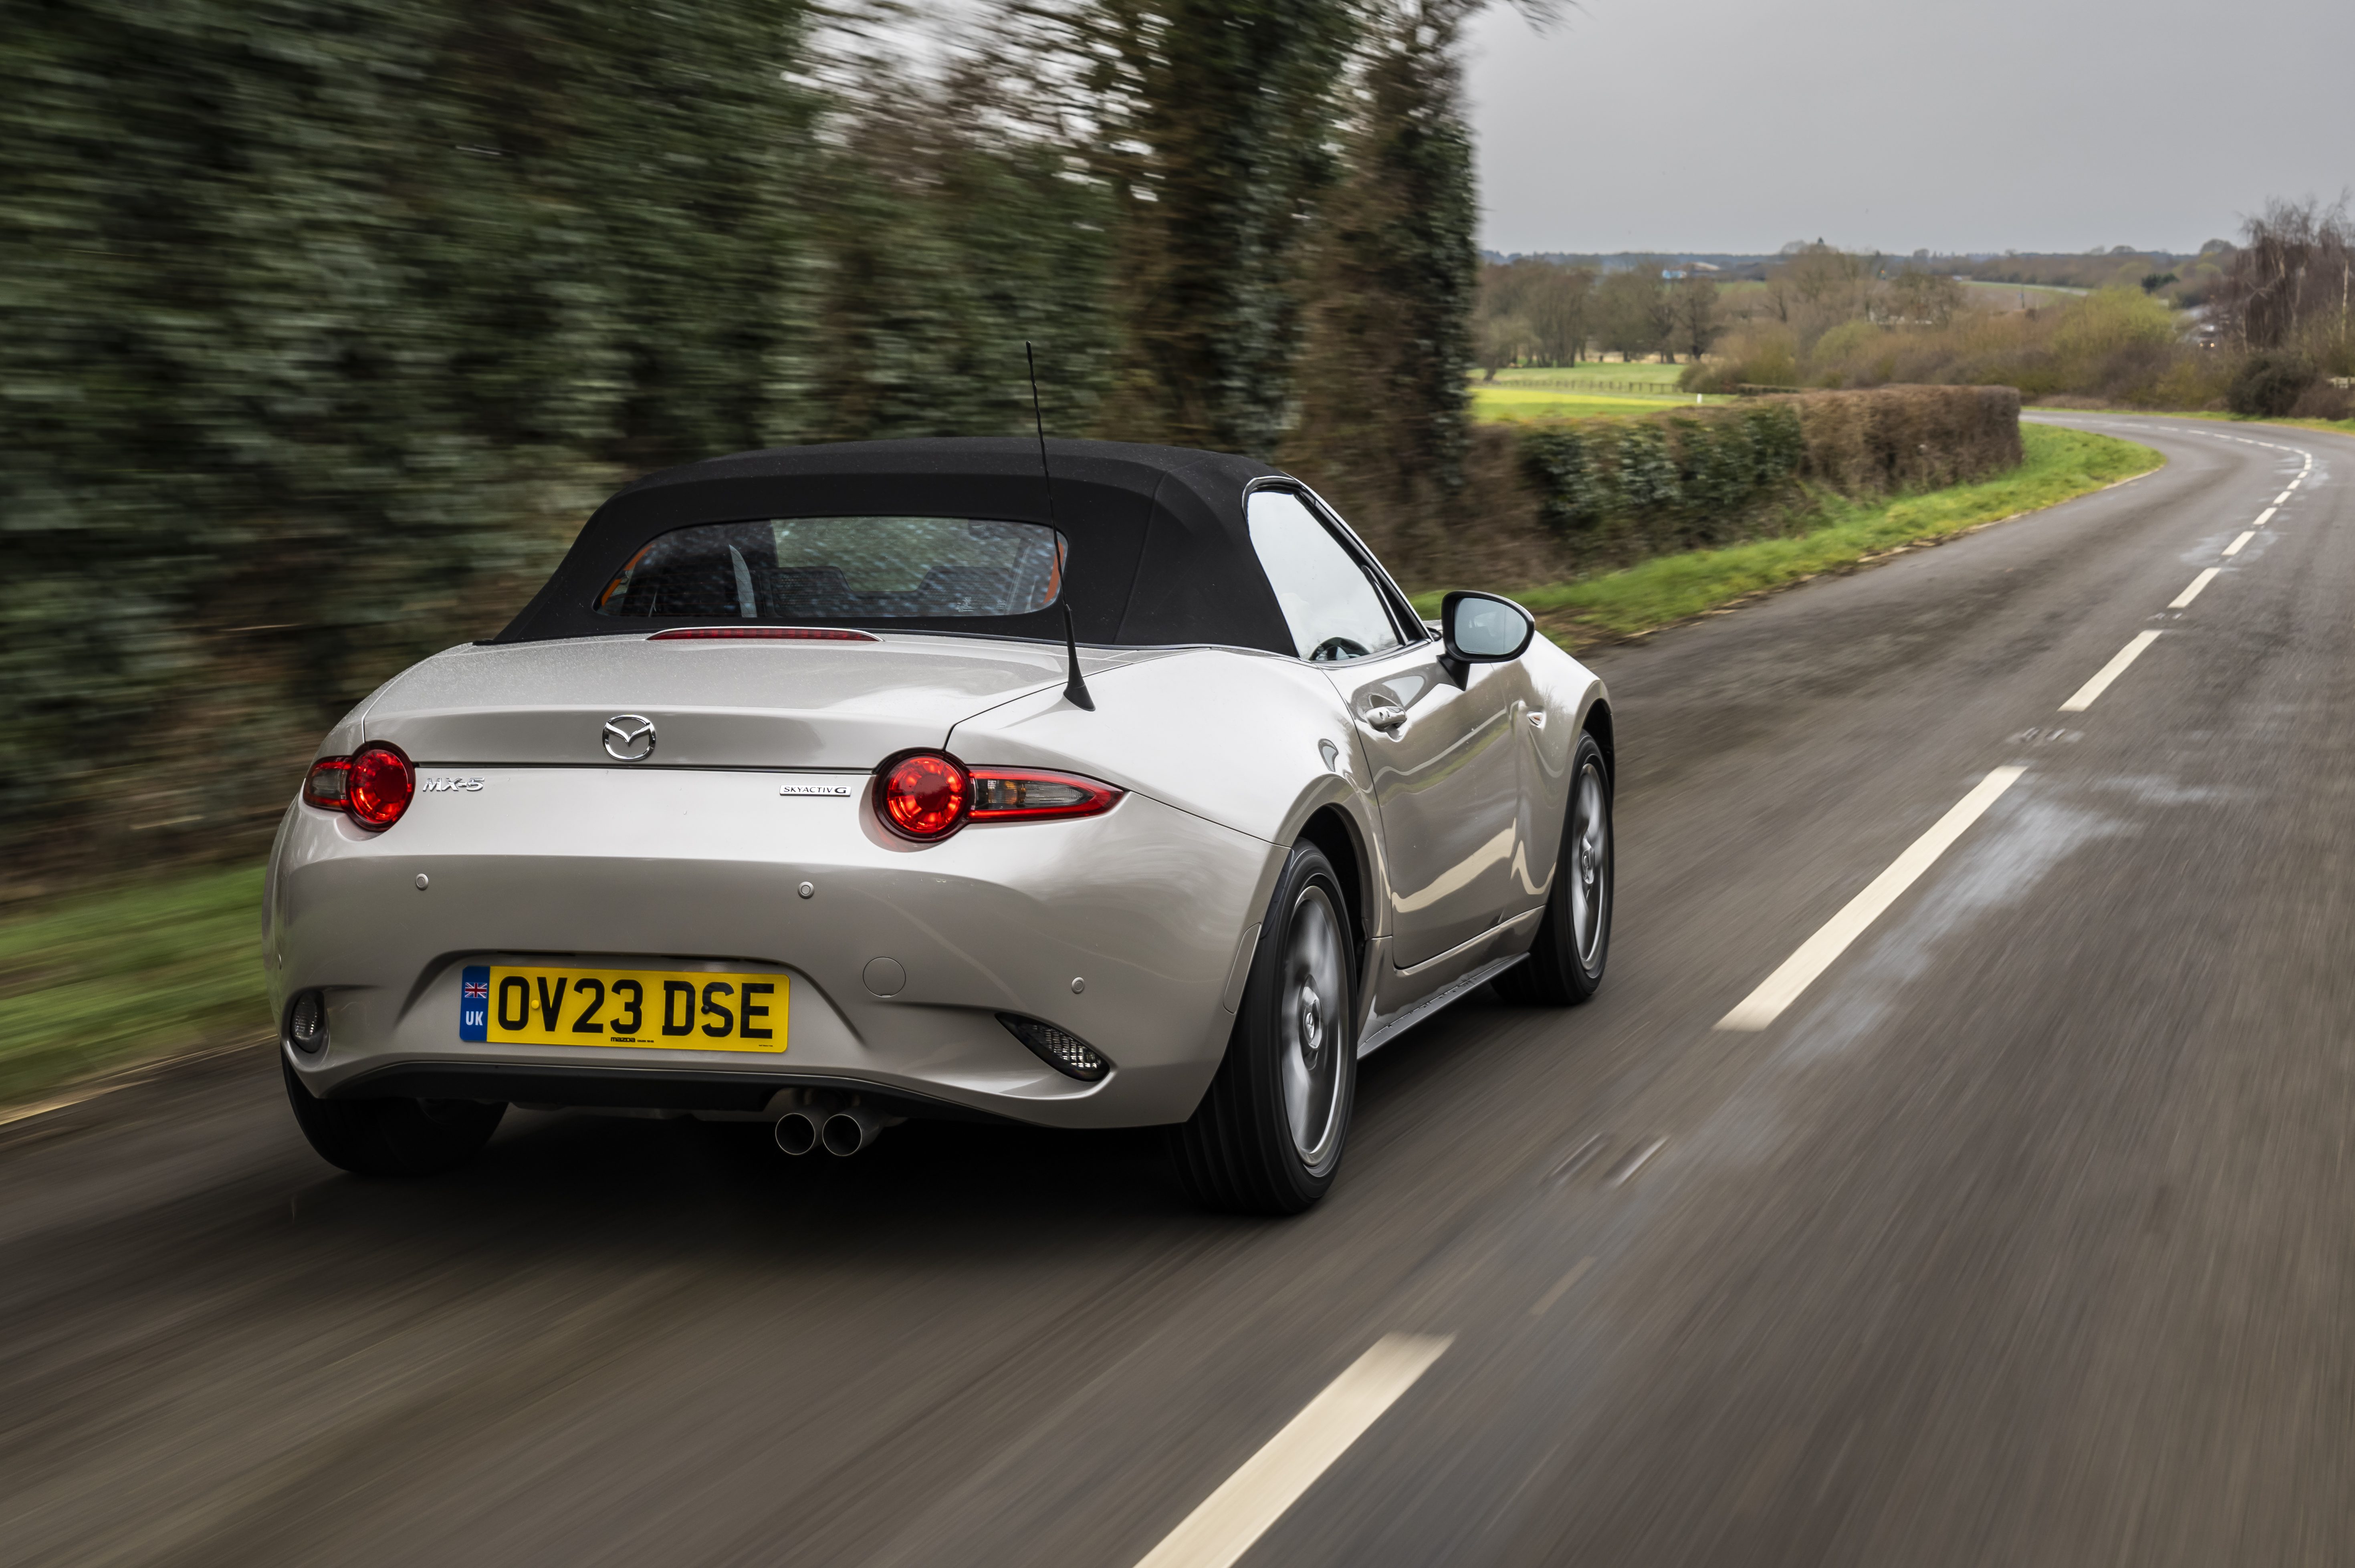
{"x":678,"y":869}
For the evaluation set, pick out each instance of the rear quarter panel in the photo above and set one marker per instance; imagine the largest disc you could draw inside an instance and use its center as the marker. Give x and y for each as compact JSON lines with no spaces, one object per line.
{"x":1249,"y":741}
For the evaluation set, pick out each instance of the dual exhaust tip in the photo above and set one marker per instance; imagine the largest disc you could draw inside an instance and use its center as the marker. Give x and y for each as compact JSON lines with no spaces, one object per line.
{"x":843,"y":1133}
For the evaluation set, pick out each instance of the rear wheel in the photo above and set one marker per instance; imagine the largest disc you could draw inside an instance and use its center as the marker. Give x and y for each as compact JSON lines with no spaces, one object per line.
{"x":392,"y":1138}
{"x":1565,"y":963}
{"x":1267,"y":1137}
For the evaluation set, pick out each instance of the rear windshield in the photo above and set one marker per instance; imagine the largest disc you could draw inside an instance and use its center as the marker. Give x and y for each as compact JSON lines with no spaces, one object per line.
{"x":843,"y":568}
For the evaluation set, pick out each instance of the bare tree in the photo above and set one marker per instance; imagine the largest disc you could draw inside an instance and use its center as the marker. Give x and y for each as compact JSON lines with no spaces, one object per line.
{"x":1627,"y":309}
{"x":1502,"y":342}
{"x":2291,"y":284}
{"x":1559,"y":309}
{"x":1698,"y":322}
{"x":1923,"y":298}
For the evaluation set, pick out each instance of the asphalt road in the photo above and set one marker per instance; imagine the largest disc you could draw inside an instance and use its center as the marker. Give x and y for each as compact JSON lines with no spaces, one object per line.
{"x":2021,"y":1237}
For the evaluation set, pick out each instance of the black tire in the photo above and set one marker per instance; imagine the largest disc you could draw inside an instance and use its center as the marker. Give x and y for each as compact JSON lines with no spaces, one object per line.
{"x":1291,"y":1063}
{"x":392,"y":1138}
{"x":1566,"y":962}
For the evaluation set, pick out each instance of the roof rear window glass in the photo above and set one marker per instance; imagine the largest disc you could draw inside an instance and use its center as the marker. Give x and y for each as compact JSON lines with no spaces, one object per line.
{"x":843,"y":568}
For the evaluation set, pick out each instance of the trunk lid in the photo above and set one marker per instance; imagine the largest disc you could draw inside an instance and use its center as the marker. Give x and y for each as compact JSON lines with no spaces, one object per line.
{"x":712,"y":704}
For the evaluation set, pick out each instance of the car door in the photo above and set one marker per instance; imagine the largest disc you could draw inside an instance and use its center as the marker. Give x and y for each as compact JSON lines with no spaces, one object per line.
{"x":1440,"y":751}
{"x":1446,"y":766}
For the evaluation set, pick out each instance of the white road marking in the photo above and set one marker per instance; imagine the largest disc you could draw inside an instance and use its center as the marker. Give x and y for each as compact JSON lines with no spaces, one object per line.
{"x":2234,"y":547}
{"x":2188,"y":595}
{"x":1578,"y":1157}
{"x":1624,"y":1171}
{"x":2263,"y":515}
{"x":2084,"y":695}
{"x":2279,"y":499}
{"x":1781,"y":989}
{"x":2294,"y":484}
{"x":1230,"y":1519}
{"x":1561,"y":1285}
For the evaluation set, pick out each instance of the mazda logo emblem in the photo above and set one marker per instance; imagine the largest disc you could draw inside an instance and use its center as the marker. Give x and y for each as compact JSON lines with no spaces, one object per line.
{"x":629,"y":738}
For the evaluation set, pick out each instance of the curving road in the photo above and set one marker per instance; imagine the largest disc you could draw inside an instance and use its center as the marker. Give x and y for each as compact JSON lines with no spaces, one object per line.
{"x":2013,"y":1228}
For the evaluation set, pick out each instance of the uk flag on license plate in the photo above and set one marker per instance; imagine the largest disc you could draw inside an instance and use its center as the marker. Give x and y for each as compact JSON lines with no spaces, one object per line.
{"x":475,"y":1002}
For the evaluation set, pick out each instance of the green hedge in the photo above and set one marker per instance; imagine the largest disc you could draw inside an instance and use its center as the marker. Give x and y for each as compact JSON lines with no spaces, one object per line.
{"x":1712,"y":464}
{"x":1697,"y":477}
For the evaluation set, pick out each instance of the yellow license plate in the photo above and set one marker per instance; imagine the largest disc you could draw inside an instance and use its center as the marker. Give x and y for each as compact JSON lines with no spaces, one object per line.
{"x":504,"y":1004}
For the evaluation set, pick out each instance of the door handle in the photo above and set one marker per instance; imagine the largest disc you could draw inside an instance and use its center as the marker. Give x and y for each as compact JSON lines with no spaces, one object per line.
{"x":1385,"y":717}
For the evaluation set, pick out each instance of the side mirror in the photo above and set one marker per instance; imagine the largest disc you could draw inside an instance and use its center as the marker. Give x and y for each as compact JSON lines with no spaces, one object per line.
{"x":1482,"y":628}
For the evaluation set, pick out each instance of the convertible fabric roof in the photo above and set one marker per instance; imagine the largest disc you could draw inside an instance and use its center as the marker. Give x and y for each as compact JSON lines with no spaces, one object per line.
{"x":1159,"y":550}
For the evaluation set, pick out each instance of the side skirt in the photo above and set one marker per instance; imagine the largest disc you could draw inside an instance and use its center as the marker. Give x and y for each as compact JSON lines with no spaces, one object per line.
{"x":1381,"y":1031}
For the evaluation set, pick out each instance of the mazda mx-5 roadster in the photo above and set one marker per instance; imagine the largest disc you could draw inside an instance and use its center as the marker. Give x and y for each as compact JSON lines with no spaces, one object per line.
{"x":1075,"y":784}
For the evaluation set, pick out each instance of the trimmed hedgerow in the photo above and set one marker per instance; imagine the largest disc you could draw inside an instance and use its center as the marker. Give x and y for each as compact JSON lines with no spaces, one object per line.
{"x":1708,"y":476}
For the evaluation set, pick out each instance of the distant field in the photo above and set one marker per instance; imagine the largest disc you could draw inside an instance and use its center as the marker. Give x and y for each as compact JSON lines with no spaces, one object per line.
{"x":1508,"y":404}
{"x":1662,"y":378}
{"x":2001,"y":294}
{"x":1580,"y":392}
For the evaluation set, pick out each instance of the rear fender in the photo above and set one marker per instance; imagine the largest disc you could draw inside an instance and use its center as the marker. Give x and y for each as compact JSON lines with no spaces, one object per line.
{"x":1251,"y":741}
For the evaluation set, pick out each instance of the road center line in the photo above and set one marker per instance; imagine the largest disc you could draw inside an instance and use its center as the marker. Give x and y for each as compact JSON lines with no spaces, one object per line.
{"x":2234,"y":547}
{"x":1230,"y":1519}
{"x":2279,"y":499}
{"x":1561,"y":1286}
{"x":1781,"y":989}
{"x":2083,"y":698}
{"x":1624,"y":1171}
{"x":2263,"y":515}
{"x":2188,"y":595}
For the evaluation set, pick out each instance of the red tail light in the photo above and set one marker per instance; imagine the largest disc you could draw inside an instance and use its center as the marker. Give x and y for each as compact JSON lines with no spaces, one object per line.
{"x":924,"y":796}
{"x":762,"y":634}
{"x":928,"y":795}
{"x":373,"y":786}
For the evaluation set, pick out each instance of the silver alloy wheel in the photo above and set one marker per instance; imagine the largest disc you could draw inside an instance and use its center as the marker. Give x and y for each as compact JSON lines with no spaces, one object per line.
{"x":1312,"y":1021}
{"x":1589,"y":852}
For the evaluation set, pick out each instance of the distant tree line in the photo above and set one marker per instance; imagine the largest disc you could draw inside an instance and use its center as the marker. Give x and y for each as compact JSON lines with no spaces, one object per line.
{"x":1542,"y":312}
{"x":2261,"y":327}
{"x":324,"y":324}
{"x":2185,"y":278}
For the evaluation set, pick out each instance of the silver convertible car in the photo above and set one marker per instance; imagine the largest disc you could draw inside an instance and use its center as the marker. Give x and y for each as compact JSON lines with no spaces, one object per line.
{"x":1085,"y":787}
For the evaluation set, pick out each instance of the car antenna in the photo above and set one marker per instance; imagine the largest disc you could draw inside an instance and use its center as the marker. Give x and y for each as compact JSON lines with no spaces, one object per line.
{"x":1076,"y":687}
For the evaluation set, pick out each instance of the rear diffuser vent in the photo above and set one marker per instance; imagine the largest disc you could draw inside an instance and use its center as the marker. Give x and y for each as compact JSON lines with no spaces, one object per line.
{"x":1059,"y":1048}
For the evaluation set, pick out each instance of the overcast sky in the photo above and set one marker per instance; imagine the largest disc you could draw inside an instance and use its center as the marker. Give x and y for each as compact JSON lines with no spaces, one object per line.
{"x":1736,"y":125}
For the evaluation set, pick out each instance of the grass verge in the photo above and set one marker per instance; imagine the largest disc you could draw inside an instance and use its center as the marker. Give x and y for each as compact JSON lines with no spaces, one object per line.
{"x":2060,"y":464}
{"x":2336,"y":427}
{"x":102,"y":979}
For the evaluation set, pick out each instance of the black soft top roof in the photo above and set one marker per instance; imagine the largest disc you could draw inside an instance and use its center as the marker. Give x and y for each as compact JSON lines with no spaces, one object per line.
{"x":1159,"y":550}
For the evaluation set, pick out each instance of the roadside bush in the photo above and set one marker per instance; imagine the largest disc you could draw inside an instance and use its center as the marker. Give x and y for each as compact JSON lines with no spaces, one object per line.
{"x":2323,"y":400}
{"x":1859,"y":353}
{"x":2268,"y":386}
{"x":2115,"y":344}
{"x":1765,"y":354}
